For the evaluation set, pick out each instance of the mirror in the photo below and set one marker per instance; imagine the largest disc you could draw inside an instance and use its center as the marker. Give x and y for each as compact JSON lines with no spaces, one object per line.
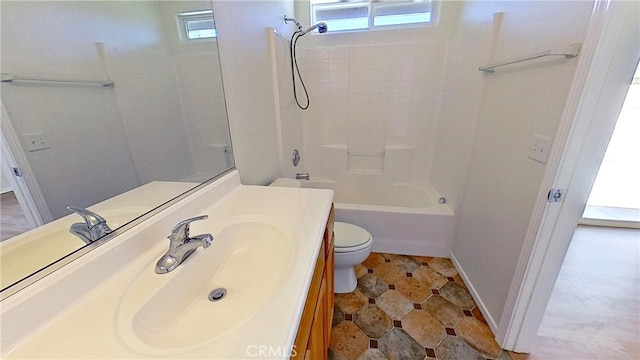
{"x":115,"y":106}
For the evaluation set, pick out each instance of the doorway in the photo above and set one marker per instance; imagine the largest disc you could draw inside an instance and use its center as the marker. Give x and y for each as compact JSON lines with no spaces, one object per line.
{"x":615,"y":196}
{"x":18,"y":203}
{"x":593,"y":310}
{"x":14,"y":220}
{"x":600,"y":86}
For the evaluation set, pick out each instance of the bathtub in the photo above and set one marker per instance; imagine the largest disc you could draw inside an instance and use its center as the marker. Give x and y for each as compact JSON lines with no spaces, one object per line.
{"x":403,"y":218}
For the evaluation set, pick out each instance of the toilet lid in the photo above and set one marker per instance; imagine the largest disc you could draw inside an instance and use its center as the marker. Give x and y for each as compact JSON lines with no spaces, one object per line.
{"x":349,"y":237}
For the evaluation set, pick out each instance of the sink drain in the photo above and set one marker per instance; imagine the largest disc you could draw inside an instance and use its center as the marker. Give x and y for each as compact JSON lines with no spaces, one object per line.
{"x":217,"y":294}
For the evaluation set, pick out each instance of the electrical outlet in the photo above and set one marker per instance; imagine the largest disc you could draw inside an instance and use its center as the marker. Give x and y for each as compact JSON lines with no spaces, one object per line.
{"x":540,"y":148}
{"x":36,"y":141}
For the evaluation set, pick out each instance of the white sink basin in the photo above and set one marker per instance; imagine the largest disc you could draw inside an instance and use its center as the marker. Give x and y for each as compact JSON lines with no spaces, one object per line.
{"x":111,"y":303}
{"x":249,"y":258}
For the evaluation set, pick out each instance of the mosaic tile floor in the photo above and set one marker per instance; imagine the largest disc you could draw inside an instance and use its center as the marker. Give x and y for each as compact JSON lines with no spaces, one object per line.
{"x":410,"y":307}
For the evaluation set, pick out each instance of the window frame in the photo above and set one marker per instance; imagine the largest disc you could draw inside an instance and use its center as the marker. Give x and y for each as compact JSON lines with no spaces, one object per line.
{"x":183,"y":20}
{"x":371,"y":15}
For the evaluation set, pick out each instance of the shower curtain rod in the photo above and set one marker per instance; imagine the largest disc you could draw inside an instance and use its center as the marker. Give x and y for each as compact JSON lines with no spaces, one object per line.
{"x":35,"y":80}
{"x":572,"y":51}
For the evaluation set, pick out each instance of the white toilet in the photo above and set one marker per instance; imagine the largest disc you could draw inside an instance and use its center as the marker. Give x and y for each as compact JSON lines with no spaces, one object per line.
{"x":352,"y":246}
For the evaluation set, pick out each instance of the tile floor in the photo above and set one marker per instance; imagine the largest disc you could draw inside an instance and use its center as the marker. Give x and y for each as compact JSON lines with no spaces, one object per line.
{"x":410,"y":307}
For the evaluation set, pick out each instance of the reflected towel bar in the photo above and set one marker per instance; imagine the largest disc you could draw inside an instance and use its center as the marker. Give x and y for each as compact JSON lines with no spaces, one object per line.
{"x":33,"y":80}
{"x":572,"y":51}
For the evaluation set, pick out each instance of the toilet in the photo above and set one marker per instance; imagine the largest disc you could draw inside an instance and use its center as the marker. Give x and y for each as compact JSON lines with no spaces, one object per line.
{"x":352,"y":246}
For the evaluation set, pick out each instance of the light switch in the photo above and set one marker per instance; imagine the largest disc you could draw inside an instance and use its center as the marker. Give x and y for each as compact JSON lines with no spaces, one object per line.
{"x":36,"y":141}
{"x":540,"y":148}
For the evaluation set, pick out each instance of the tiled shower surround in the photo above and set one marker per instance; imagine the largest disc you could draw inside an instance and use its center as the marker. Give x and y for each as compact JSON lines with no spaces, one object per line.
{"x":410,"y":307}
{"x":368,"y":97}
{"x":408,"y":108}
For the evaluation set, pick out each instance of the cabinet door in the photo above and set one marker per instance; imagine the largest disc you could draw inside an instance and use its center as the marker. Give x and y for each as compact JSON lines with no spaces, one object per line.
{"x":329,"y":292}
{"x":310,"y":307}
{"x":317,"y":344}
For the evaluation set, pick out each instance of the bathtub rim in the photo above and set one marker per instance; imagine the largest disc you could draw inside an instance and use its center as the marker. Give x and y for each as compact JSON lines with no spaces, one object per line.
{"x":432,"y":207}
{"x":437,"y":209}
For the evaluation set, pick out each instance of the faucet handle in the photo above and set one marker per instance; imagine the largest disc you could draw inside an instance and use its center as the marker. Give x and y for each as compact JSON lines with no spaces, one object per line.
{"x":181,"y":230}
{"x":90,"y":218}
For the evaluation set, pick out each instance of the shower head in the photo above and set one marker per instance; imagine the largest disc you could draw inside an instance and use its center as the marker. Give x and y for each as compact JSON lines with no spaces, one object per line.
{"x":322,"y":27}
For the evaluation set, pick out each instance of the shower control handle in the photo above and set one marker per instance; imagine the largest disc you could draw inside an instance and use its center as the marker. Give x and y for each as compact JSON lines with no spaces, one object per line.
{"x":295,"y":157}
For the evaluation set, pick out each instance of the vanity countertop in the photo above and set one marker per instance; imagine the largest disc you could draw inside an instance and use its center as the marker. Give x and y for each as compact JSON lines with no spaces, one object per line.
{"x":111,"y":304}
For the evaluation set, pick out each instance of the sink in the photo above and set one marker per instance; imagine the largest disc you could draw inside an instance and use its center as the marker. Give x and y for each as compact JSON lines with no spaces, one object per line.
{"x":111,"y":304}
{"x":29,"y":252}
{"x":250,"y":257}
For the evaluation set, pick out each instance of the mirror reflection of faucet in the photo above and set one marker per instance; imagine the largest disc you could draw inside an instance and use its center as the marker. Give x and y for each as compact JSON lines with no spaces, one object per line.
{"x":93,"y":228}
{"x":301,"y":176}
{"x":181,"y":245}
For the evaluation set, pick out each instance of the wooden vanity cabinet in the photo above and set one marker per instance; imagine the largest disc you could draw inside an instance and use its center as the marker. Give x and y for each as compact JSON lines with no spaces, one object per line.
{"x":312,"y":340}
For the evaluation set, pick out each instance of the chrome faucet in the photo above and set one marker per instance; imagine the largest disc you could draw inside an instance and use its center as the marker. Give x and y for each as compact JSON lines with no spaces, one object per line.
{"x":301,"y":176}
{"x":181,"y":245}
{"x":93,"y":228}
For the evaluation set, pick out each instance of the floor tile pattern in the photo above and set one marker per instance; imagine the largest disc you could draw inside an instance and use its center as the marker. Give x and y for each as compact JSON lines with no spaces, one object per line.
{"x":410,"y":307}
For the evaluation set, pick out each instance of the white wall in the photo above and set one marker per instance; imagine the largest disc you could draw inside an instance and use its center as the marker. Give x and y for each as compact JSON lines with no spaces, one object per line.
{"x":289,"y":123}
{"x":204,"y":112}
{"x":462,"y":87}
{"x":148,"y":99}
{"x":165,"y":114}
{"x":517,"y":103}
{"x":42,"y":39}
{"x":248,"y":82}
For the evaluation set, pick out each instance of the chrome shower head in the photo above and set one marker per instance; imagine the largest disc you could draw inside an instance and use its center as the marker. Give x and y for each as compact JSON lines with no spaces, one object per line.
{"x":322,"y":27}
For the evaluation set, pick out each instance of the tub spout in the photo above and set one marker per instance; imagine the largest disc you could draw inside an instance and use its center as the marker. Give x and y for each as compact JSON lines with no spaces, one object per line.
{"x":301,"y":176}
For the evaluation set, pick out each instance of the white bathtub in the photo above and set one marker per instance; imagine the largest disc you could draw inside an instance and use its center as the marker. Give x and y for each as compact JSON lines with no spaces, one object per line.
{"x":403,"y":218}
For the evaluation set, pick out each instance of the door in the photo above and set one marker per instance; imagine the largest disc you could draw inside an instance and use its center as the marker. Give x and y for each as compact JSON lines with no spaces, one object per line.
{"x":609,"y":58}
{"x":18,"y":172}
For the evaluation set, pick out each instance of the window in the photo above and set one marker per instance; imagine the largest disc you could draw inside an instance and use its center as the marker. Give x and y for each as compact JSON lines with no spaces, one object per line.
{"x":197,"y":25}
{"x":342,"y":15}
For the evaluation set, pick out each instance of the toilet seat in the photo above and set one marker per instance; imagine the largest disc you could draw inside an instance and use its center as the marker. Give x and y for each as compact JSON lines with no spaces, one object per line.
{"x":349,"y":237}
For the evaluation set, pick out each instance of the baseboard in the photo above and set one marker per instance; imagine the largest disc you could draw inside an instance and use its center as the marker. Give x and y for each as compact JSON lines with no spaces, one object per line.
{"x":483,"y":309}
{"x":610,"y":223}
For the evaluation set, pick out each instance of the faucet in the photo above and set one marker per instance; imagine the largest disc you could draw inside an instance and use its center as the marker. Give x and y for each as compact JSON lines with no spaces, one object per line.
{"x":301,"y":176}
{"x":93,"y":228}
{"x":181,"y":245}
